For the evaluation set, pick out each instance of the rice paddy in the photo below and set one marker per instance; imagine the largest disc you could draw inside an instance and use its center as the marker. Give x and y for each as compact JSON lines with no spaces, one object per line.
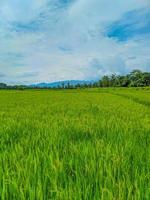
{"x":90,"y":144}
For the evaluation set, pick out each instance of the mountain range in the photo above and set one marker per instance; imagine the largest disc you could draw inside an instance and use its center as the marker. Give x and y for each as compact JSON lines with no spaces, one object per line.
{"x":61,"y":83}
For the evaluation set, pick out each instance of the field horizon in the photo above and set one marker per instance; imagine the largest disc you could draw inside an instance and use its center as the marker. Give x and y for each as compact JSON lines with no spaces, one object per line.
{"x":74,"y":100}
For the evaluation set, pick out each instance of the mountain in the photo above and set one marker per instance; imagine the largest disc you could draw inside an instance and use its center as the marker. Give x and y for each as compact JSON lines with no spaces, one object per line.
{"x":60,"y":84}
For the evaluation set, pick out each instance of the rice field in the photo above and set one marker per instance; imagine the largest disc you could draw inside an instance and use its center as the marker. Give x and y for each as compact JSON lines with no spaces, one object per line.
{"x":90,"y":144}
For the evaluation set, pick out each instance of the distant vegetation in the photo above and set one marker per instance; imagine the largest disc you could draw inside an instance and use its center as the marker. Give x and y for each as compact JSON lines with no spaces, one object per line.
{"x":136,"y":78}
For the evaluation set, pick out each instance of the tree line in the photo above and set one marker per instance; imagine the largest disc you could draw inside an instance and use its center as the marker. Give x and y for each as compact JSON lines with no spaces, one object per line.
{"x":136,"y":78}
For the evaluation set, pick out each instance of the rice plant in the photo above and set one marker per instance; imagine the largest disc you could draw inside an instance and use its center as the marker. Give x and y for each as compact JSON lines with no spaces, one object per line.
{"x":75,"y":144}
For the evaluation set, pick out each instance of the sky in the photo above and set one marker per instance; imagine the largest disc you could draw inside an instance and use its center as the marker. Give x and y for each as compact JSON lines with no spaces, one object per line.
{"x":52,"y":40}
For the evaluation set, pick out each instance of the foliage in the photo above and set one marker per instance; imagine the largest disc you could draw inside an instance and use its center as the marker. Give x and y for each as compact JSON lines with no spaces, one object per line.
{"x":3,"y":86}
{"x":136,"y":78}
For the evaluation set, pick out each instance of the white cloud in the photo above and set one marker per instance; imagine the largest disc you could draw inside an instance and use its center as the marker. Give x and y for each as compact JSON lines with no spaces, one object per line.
{"x":66,"y":42}
{"x":21,"y":11}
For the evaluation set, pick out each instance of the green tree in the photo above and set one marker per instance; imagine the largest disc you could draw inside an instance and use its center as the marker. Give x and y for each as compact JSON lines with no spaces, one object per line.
{"x":105,"y":81}
{"x":146,"y":79}
{"x":136,"y":77}
{"x":3,"y":86}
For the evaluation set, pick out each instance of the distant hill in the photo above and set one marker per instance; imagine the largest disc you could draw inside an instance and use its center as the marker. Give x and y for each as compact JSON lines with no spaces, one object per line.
{"x":60,"y":83}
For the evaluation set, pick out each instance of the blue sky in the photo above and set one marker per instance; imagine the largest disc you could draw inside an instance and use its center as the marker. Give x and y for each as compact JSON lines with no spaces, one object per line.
{"x":51,"y":40}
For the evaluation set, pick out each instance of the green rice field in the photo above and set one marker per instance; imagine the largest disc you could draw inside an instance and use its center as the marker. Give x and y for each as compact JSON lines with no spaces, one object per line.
{"x":84,"y":144}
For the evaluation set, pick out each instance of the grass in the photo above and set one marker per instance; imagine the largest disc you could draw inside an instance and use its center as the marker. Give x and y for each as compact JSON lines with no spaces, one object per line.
{"x":75,"y":144}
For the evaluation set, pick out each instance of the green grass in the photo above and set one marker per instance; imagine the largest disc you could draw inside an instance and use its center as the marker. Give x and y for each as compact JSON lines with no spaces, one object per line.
{"x":75,"y":144}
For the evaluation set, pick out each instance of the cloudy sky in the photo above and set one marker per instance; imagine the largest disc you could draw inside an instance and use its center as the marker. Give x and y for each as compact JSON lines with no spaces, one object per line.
{"x":51,"y":40}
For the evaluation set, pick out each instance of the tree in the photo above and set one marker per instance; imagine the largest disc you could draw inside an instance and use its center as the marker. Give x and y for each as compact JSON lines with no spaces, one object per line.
{"x":146,"y":78}
{"x":105,"y":81}
{"x":125,"y":81}
{"x":113,"y":80}
{"x":3,"y":86}
{"x":136,"y":77}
